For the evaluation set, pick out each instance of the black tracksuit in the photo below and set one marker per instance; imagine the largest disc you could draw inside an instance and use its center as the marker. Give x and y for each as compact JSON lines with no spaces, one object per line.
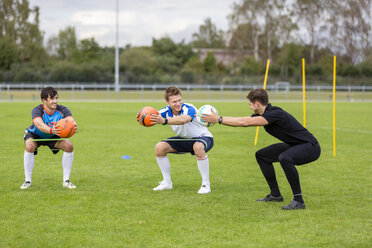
{"x":299,"y":147}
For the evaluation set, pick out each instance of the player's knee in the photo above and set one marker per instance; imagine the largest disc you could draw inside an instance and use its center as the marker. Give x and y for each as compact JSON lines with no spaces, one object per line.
{"x":198,"y":149}
{"x":30,"y":147}
{"x":69,"y":148}
{"x":259,"y":154}
{"x":66,"y":146}
{"x":160,"y":150}
{"x":285,"y":159}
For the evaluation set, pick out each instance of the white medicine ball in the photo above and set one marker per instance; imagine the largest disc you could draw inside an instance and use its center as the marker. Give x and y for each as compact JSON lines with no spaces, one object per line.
{"x":205,"y":109}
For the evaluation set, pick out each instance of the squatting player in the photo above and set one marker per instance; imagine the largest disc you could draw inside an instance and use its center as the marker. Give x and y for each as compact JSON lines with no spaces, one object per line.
{"x":44,"y":116}
{"x":191,"y":137}
{"x":298,"y":145}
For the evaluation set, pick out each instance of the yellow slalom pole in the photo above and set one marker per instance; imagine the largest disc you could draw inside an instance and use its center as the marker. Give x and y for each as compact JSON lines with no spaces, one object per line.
{"x":334,"y":106}
{"x":303,"y":91}
{"x":264,"y":87}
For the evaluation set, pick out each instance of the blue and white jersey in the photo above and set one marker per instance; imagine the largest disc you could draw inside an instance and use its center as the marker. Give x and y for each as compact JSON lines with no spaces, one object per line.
{"x":48,"y":118}
{"x":189,"y":130}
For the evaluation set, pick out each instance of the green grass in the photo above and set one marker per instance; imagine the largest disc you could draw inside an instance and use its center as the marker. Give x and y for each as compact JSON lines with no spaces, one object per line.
{"x":192,"y":95}
{"x":114,"y":205}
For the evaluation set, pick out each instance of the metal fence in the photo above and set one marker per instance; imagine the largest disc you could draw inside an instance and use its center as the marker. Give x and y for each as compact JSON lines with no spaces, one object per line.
{"x":146,"y":92}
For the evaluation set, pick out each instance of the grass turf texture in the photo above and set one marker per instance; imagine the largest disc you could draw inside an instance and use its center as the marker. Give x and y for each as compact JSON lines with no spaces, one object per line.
{"x":115,"y":206}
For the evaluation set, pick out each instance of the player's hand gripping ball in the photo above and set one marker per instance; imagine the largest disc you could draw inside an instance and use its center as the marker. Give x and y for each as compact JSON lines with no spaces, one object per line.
{"x":205,"y":109}
{"x":143,"y":116}
{"x":67,"y":127}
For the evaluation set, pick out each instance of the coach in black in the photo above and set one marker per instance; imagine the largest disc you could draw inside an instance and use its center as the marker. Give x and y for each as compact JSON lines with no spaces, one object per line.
{"x":299,"y":145}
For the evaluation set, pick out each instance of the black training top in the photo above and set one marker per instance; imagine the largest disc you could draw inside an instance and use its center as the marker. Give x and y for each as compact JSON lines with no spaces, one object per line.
{"x":285,"y":127}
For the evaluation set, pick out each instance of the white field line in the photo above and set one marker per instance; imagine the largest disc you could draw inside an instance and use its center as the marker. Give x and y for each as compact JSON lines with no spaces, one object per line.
{"x":345,"y":129}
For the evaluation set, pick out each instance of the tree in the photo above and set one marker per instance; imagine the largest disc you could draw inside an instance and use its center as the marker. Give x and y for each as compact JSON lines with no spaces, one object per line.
{"x":209,"y":63}
{"x":8,"y":53}
{"x":266,"y":22}
{"x":350,"y":28}
{"x":170,"y":56}
{"x":89,"y":50}
{"x":21,"y":25}
{"x":208,"y":36}
{"x":242,"y":38}
{"x":290,"y":58}
{"x":309,"y":13}
{"x":138,"y":60}
{"x":67,"y":43}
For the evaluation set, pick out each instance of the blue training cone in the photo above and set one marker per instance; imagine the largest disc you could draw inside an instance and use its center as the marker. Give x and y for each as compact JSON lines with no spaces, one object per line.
{"x":126,"y":157}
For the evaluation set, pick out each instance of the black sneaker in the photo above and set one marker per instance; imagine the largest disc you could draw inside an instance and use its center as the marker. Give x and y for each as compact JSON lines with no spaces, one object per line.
{"x":294,"y":205}
{"x":269,"y":198}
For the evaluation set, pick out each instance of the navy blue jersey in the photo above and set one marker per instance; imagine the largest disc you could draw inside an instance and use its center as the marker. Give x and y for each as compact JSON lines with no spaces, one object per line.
{"x":285,"y":127}
{"x":48,"y":118}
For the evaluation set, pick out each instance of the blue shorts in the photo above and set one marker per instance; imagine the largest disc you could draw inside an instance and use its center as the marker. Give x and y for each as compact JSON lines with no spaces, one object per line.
{"x":183,"y":145}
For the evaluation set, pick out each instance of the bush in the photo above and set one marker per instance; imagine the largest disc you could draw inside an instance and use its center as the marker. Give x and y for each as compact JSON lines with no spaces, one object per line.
{"x":251,"y":67}
{"x":187,"y":76}
{"x":365,"y":67}
{"x":348,"y":70}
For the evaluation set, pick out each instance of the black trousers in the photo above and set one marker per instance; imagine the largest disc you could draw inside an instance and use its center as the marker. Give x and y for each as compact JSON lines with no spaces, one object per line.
{"x":288,"y":156}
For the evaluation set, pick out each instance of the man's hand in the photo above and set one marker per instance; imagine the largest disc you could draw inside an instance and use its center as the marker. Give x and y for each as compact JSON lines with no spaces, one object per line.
{"x":56,"y":130}
{"x":76,"y":128}
{"x":212,"y":118}
{"x":157,"y":119}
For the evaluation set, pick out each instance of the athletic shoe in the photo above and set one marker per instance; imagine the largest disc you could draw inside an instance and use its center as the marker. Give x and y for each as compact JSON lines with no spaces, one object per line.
{"x":204,"y":189}
{"x":26,"y":185}
{"x":270,"y":198}
{"x":163,"y":185}
{"x":294,"y":205}
{"x":69,"y":185}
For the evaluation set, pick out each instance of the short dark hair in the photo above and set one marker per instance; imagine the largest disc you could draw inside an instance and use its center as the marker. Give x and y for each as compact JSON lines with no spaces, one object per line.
{"x":171,"y":91}
{"x":48,"y":92}
{"x":259,"y":95}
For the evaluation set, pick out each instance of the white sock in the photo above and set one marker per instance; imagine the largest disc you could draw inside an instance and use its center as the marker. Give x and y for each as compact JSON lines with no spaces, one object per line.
{"x":29,"y":161}
{"x":164,"y":166}
{"x":203,"y":165}
{"x":67,"y":159}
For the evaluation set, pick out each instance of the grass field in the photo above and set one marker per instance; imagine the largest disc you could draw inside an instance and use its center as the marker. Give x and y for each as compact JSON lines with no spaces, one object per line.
{"x":115,"y":206}
{"x":192,"y":95}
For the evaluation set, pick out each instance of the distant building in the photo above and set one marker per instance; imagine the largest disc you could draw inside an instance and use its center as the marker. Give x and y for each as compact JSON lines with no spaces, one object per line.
{"x":224,"y":56}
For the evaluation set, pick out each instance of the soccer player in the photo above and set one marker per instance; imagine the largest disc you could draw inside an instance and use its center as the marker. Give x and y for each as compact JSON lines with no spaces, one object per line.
{"x":191,"y":137}
{"x":44,"y":117}
{"x":298,"y":145}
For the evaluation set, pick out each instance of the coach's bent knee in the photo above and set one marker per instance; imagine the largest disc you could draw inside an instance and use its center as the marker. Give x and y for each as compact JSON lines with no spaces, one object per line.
{"x":259,"y":154}
{"x":285,"y":159}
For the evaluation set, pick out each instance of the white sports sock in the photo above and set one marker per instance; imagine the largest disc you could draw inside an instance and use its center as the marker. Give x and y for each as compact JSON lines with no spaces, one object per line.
{"x":29,"y":161}
{"x":203,"y":165}
{"x":67,"y":159}
{"x":164,"y":166}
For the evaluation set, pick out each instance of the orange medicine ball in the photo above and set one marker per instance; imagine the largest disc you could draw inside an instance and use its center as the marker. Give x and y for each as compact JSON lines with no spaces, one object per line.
{"x":67,"y":127}
{"x":143,"y":116}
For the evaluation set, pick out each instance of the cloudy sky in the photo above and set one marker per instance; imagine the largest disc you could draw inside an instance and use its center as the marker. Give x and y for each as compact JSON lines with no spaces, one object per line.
{"x":139,"y":20}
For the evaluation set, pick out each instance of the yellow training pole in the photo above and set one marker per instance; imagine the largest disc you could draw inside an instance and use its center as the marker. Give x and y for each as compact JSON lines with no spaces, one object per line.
{"x":334,"y":106}
{"x":264,"y":87}
{"x":303,"y":91}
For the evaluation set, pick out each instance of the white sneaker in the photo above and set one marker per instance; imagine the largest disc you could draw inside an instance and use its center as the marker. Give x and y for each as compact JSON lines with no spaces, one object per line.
{"x":69,"y":185}
{"x":163,"y":185}
{"x":26,"y":185}
{"x":204,"y":189}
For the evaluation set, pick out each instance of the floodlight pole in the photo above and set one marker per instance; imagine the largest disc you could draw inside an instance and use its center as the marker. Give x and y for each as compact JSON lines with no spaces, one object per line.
{"x":117,"y":88}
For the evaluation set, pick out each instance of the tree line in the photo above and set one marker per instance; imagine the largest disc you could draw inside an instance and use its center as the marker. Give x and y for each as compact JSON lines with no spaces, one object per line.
{"x":284,"y":31}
